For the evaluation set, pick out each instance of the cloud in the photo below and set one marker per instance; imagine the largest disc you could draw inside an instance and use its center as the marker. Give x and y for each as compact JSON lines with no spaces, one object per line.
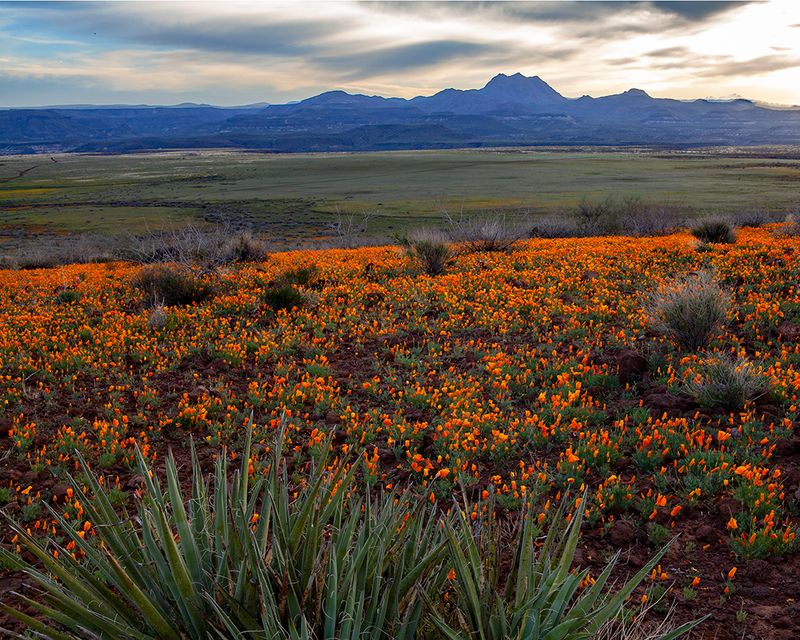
{"x":272,"y":51}
{"x":406,"y":57}
{"x":697,"y":9}
{"x":755,"y":66}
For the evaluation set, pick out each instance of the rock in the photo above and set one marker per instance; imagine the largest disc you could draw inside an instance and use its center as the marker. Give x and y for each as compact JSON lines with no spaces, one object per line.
{"x":631,"y":365}
{"x":60,"y":491}
{"x":707,"y":534}
{"x":622,"y":534}
{"x":791,"y":477}
{"x":588,"y":276}
{"x":667,"y":403}
{"x":134,"y":483}
{"x":757,"y":569}
{"x":789,"y":331}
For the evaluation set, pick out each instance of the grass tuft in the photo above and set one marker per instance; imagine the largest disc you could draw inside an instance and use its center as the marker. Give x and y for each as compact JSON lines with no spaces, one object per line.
{"x":690,"y":310}
{"x":728,"y":383}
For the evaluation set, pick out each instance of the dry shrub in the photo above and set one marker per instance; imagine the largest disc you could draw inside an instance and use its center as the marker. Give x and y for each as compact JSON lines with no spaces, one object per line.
{"x":194,"y":247}
{"x":484,"y":233}
{"x":690,"y":310}
{"x":790,"y":228}
{"x":171,"y":286}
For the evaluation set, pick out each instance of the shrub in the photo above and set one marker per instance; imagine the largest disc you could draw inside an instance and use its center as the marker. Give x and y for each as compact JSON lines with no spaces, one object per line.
{"x":305,"y":276}
{"x":727,"y":383}
{"x":557,"y":227}
{"x":486,"y":233}
{"x":714,"y":231}
{"x":67,"y":296}
{"x":429,"y":251}
{"x":195,"y":247}
{"x":171,"y":286}
{"x":790,"y":228}
{"x":158,"y":317}
{"x":284,"y":297}
{"x":242,"y":247}
{"x":690,"y":310}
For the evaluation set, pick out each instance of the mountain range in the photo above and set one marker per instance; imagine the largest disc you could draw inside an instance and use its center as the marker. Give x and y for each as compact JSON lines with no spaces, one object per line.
{"x":510,"y":110}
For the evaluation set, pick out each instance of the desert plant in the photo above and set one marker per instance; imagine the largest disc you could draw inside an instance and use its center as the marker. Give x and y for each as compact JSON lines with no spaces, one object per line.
{"x":728,"y":383}
{"x":690,"y":310}
{"x":484,"y":233}
{"x":170,"y":286}
{"x":242,"y":247}
{"x":429,"y":251}
{"x":303,"y":276}
{"x":242,"y":557}
{"x":538,"y":596}
{"x":557,"y":227}
{"x":350,"y":230}
{"x":714,"y":232}
{"x":67,"y":296}
{"x":283,"y":297}
{"x":158,"y":317}
{"x":790,"y":227}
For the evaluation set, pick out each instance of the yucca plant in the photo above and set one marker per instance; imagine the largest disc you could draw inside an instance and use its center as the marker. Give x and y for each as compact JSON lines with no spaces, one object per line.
{"x":239,"y":558}
{"x":538,"y":597}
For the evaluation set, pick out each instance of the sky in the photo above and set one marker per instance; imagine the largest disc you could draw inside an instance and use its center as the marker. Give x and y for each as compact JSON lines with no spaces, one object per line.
{"x":231,"y":53}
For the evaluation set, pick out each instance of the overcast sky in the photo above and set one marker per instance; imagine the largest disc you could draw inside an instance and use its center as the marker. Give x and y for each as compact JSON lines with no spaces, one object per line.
{"x":238,"y":53}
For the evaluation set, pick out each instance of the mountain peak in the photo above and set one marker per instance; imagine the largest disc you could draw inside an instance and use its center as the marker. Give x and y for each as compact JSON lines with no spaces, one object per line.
{"x":518,"y":87}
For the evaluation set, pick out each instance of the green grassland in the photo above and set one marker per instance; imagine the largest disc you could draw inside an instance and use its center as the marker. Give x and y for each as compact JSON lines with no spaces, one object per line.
{"x":295,"y":197}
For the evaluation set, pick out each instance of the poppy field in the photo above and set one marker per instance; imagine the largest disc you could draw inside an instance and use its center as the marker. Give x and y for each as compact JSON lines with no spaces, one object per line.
{"x":529,"y":375}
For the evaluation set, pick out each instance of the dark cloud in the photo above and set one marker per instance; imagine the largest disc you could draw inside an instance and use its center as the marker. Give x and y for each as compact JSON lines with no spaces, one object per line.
{"x":752,"y":67}
{"x":697,"y":9}
{"x":668,"y":52}
{"x":405,"y":57}
{"x":117,"y":22}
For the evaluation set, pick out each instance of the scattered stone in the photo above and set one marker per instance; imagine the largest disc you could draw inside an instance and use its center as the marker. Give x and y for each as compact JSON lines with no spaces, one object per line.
{"x":631,"y":365}
{"x":622,"y":534}
{"x":789,"y":331}
{"x":588,"y":276}
{"x":60,"y":491}
{"x":706,"y":533}
{"x":668,"y":403}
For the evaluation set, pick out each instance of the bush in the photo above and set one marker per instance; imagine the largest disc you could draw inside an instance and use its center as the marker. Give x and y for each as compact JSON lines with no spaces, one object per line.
{"x":557,"y":227}
{"x":628,"y":215}
{"x":727,"y":383}
{"x":429,"y":251}
{"x":242,"y":247}
{"x":486,"y":233}
{"x":284,"y":297}
{"x":305,"y":276}
{"x":690,"y":310}
{"x":790,"y":228}
{"x":714,"y":231}
{"x":171,"y":286}
{"x":67,"y":296}
{"x":257,"y":557}
{"x":195,"y":247}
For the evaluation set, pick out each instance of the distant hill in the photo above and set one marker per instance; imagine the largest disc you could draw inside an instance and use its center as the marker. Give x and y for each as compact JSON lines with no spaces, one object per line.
{"x":509,"y":111}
